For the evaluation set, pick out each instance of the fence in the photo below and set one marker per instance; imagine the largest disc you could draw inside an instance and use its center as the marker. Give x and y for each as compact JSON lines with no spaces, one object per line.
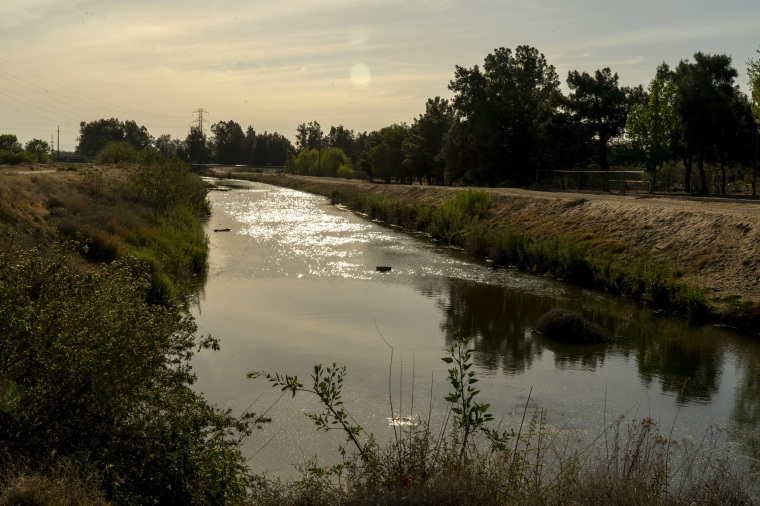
{"x":593,"y":180}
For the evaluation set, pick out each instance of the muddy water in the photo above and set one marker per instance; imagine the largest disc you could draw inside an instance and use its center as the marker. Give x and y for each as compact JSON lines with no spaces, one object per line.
{"x":294,"y":283}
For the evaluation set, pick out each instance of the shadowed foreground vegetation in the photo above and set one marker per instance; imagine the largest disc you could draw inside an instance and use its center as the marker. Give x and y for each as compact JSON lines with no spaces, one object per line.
{"x":96,"y":344}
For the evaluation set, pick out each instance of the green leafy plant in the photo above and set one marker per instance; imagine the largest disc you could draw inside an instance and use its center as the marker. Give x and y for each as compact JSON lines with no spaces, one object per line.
{"x":92,"y":372}
{"x":470,"y":416}
{"x":327,"y":385}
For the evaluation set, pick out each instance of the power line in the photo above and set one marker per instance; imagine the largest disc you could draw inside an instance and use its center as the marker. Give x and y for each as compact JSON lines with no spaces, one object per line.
{"x":117,"y":107}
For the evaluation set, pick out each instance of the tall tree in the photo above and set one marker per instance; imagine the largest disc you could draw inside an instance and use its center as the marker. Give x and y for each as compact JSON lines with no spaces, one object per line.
{"x":498,"y":113}
{"x":39,"y":148}
{"x":9,"y":142}
{"x":386,"y":157}
{"x":342,"y":138}
{"x":196,"y":146}
{"x":423,"y":148}
{"x":94,"y":136}
{"x":705,"y":97}
{"x":167,"y":146}
{"x":228,"y":142}
{"x":309,"y":136}
{"x":599,"y":106}
{"x":650,"y":126}
{"x":753,"y":70}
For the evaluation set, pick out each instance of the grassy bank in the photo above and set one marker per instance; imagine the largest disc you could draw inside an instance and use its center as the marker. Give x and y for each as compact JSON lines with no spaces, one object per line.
{"x":153,"y":211}
{"x":468,"y":219}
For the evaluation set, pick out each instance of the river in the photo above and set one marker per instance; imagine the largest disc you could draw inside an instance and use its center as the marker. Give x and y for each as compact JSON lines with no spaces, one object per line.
{"x":294,"y":284}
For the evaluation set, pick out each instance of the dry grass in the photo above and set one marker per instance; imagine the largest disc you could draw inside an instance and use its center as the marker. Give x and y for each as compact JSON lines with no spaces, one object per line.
{"x":64,"y":484}
{"x":626,"y":464}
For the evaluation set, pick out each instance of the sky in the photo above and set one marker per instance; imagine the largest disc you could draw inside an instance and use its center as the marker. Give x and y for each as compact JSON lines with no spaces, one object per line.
{"x":274,"y":64}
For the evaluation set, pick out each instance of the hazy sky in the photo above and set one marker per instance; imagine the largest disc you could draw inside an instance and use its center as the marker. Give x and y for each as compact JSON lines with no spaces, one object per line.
{"x":273,"y":64}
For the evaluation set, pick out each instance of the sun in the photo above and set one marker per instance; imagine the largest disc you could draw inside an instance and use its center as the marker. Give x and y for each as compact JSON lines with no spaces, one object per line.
{"x":361,"y":76}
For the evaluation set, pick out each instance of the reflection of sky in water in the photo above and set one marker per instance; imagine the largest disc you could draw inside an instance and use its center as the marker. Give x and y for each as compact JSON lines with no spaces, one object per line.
{"x":300,"y":229}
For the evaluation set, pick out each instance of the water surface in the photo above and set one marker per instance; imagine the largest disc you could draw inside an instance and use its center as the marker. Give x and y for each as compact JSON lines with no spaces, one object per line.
{"x":294,"y":283}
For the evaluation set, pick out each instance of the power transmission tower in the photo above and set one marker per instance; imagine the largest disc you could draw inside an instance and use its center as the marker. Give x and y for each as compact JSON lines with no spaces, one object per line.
{"x":199,"y":122}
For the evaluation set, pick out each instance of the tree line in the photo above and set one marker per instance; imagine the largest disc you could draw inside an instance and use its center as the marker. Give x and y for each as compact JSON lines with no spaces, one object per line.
{"x":506,"y":120}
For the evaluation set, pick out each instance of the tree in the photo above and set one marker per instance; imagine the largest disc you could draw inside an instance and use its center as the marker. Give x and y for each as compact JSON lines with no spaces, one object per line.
{"x":498,"y":114}
{"x":272,"y":149}
{"x":309,"y":136}
{"x":167,"y":146}
{"x":196,"y":148}
{"x":386,"y":157}
{"x":228,"y":143}
{"x":423,"y":149}
{"x":599,"y":106}
{"x":753,"y":71}
{"x":705,"y":97}
{"x":137,"y":136}
{"x":650,"y":126}
{"x":39,"y":148}
{"x":342,"y":138}
{"x":9,"y":142}
{"x":95,"y":135}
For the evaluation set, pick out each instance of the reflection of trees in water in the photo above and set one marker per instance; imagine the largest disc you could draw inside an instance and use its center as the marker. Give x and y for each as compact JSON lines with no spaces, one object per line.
{"x":745,"y":417}
{"x":498,"y":319}
{"x":688,"y":361}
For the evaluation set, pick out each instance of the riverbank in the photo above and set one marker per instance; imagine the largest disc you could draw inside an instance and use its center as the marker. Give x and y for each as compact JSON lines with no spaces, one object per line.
{"x":710,"y":245}
{"x":113,"y":212}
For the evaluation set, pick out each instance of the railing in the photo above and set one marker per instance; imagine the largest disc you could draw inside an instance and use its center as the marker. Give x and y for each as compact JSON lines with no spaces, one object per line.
{"x":593,"y":180}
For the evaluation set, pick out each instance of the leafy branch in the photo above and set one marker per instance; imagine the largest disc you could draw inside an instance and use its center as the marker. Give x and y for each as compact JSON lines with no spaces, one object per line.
{"x":470,"y":416}
{"x":327,"y":385}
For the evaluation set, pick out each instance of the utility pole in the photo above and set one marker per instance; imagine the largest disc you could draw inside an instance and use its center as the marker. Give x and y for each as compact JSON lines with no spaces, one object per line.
{"x":199,"y":122}
{"x":58,"y":157}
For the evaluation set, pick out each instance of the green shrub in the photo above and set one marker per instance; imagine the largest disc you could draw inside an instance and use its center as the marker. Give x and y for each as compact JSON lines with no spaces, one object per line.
{"x":117,"y":151}
{"x":91,"y":371}
{"x":345,"y":170}
{"x":16,"y":157}
{"x":453,"y":220}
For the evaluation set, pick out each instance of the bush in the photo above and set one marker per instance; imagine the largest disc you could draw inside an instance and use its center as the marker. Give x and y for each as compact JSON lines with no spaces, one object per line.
{"x":115,"y":152}
{"x":454,"y":219}
{"x":16,"y":157}
{"x":90,"y":371}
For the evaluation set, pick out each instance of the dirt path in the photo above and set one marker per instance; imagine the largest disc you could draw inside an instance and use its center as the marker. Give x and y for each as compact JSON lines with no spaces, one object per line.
{"x":715,"y":243}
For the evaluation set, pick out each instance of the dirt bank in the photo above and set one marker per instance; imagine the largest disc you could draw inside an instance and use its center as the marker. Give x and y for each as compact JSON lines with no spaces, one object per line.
{"x":714,"y":243}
